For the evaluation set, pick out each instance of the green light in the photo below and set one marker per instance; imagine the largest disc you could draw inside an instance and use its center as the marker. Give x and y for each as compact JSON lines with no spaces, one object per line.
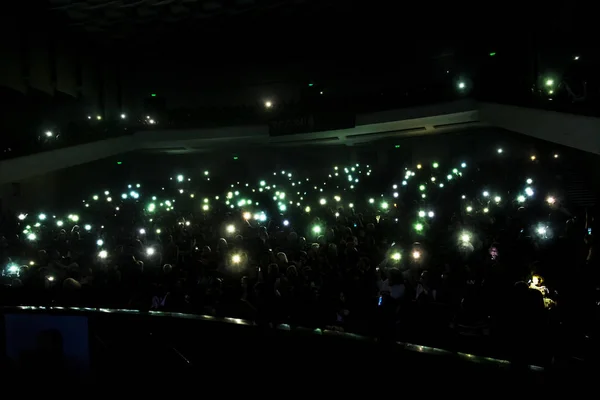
{"x":397,"y":146}
{"x":311,"y":84}
{"x":419,"y":227}
{"x":119,"y":163}
{"x":153,"y":95}
{"x":235,"y":157}
{"x":435,"y":165}
{"x":492,"y":54}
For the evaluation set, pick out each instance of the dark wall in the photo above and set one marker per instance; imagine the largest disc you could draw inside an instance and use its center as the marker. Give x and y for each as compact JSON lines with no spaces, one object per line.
{"x":50,"y":78}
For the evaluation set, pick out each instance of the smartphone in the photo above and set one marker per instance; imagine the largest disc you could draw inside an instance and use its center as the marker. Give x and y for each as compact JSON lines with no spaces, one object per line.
{"x":380,"y":301}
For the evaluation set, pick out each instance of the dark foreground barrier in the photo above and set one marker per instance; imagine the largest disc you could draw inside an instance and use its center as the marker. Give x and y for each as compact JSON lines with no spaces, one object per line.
{"x":124,"y":346}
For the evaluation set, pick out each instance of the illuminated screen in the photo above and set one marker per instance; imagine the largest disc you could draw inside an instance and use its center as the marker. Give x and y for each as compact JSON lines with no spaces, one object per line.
{"x":36,"y":340}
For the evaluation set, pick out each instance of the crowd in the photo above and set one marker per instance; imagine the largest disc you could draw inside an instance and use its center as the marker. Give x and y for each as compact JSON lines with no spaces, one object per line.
{"x":441,"y":252}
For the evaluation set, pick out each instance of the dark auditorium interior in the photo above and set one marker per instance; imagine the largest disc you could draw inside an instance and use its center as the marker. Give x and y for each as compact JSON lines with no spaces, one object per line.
{"x":392,"y":194}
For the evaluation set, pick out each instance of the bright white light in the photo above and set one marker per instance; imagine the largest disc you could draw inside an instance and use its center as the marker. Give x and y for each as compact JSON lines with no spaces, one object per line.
{"x":396,"y":256}
{"x":99,"y":242}
{"x":21,"y":217}
{"x":49,"y":134}
{"x":179,"y":178}
{"x":123,"y":116}
{"x":431,"y":214}
{"x":497,"y":199}
{"x":230,"y":229}
{"x":416,"y":254}
{"x":236,"y":259}
{"x":87,"y":227}
{"x":461,"y":85}
{"x":500,"y":151}
{"x":463,"y":165}
{"x":521,"y":198}
{"x":31,"y":236}
{"x":421,"y":213}
{"x":322,"y":202}
{"x":465,"y":238}
{"x":151,"y":121}
{"x":268,"y":104}
{"x":529,"y":181}
{"x":486,"y":193}
{"x":150,"y":251}
{"x":103,"y":254}
{"x":469,"y":209}
{"x":551,"y":200}
{"x":529,"y":191}
{"x":395,"y":194}
{"x":286,"y":222}
{"x":541,"y":230}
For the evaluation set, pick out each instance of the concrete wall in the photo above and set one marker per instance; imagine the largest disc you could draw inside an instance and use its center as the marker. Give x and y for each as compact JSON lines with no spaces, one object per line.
{"x":22,"y":168}
{"x":571,"y":130}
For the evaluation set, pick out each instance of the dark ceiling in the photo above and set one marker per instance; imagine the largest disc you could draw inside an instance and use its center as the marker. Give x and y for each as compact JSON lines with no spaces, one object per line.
{"x":242,"y":31}
{"x":124,"y":18}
